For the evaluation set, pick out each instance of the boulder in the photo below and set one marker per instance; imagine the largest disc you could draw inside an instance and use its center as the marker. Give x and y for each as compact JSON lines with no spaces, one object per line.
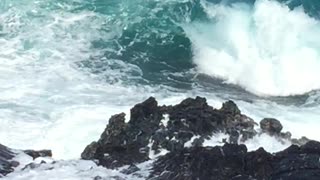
{"x":271,"y":126}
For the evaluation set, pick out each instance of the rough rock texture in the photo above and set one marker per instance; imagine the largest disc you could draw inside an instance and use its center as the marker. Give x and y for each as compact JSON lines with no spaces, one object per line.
{"x":181,"y":130}
{"x":232,"y":161}
{"x":202,"y":163}
{"x":152,"y":128}
{"x":196,"y":117}
{"x":7,"y":163}
{"x":271,"y":126}
{"x":301,"y":141}
{"x":127,"y":143}
{"x":41,"y":153}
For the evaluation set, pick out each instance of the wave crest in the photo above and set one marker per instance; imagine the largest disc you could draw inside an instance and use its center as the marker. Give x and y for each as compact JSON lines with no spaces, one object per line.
{"x":267,"y":48}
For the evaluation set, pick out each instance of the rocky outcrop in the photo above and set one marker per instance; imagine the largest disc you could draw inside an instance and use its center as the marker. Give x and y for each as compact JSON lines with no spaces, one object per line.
{"x":301,"y":141}
{"x":201,"y":163}
{"x":232,"y":161}
{"x":152,"y":127}
{"x":181,"y":130}
{"x":7,"y":164}
{"x":196,"y":117}
{"x":41,"y":153}
{"x":126,"y":143}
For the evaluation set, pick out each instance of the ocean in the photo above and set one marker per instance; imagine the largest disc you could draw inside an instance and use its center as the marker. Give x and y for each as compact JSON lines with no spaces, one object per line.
{"x":66,"y":66}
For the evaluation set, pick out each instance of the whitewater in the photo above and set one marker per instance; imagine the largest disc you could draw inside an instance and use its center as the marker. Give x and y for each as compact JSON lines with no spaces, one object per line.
{"x":67,"y":66}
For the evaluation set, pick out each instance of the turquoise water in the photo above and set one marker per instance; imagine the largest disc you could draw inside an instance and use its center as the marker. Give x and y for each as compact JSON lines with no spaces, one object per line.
{"x":151,"y":37}
{"x":70,"y":64}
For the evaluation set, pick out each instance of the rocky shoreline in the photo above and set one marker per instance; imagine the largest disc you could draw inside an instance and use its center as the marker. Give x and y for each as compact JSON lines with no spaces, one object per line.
{"x":8,"y":162}
{"x":174,"y":135}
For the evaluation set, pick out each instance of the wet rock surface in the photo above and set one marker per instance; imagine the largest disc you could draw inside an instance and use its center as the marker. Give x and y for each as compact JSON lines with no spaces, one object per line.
{"x":271,"y":126}
{"x":126,"y":143}
{"x":201,"y":162}
{"x":7,"y":162}
{"x":232,"y":161}
{"x":41,"y":153}
{"x":152,"y":128}
{"x":181,"y":130}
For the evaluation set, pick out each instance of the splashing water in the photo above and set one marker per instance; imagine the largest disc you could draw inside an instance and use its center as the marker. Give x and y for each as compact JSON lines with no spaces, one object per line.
{"x":267,"y":49}
{"x":67,"y":66}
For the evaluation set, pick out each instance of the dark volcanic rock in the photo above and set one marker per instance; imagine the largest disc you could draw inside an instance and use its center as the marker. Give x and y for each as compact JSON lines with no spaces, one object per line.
{"x":271,"y":126}
{"x":152,"y":128}
{"x":230,"y":107}
{"x":131,"y":169}
{"x":128,"y":143}
{"x":301,"y":141}
{"x":41,"y":153}
{"x":6,"y":155}
{"x":234,"y":162}
{"x":201,"y":163}
{"x":258,"y":164}
{"x":33,"y":165}
{"x":6,"y":163}
{"x":90,"y":151}
{"x":197,"y":116}
{"x":298,"y":162}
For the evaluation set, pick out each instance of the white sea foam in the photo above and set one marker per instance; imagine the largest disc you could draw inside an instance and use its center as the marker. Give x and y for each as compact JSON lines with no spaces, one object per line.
{"x":299,"y":120}
{"x":270,"y":144}
{"x":267,"y":49}
{"x":75,"y":170}
{"x":46,"y":101}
